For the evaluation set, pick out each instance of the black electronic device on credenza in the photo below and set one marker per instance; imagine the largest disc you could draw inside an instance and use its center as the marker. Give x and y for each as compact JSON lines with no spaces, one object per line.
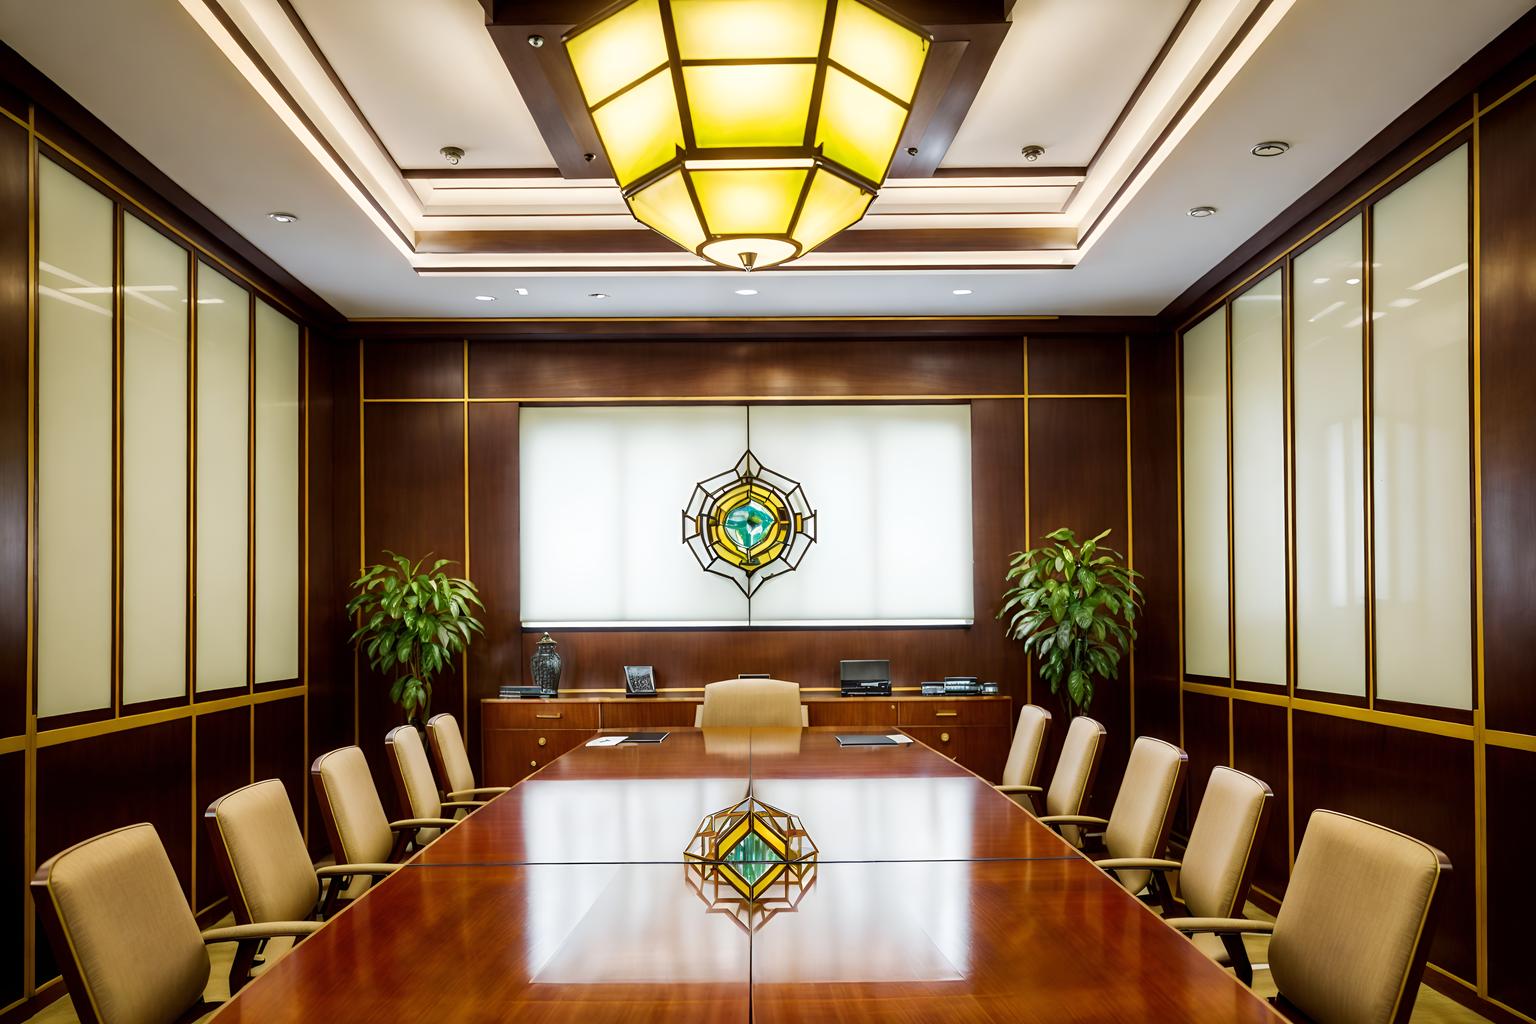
{"x":959,"y":686}
{"x":865,"y":678}
{"x":520,"y":692}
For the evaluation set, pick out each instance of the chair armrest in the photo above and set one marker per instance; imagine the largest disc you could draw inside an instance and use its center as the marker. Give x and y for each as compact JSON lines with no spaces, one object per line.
{"x":1219,"y":925}
{"x":1072,"y":819}
{"x":408,"y":824}
{"x":464,"y":794}
{"x":453,"y":805}
{"x":1018,"y":789}
{"x":1137,"y":864}
{"x":348,"y":870}
{"x":262,"y":930}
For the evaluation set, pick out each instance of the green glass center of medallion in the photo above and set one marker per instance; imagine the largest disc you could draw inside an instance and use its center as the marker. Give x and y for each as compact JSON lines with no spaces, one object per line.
{"x":751,"y":858}
{"x":748,"y":524}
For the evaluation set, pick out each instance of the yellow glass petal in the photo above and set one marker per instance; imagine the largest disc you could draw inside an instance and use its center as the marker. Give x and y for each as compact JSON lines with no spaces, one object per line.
{"x":624,"y":47}
{"x":859,"y":128}
{"x":830,"y":206}
{"x":749,"y":105}
{"x":667,"y":208}
{"x":748,"y":202}
{"x":878,"y":49}
{"x":641,"y":130}
{"x":733,"y":29}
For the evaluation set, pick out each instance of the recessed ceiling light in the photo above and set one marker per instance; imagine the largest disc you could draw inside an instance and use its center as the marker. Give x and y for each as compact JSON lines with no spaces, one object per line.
{"x":1352,"y":280}
{"x":283,"y":218}
{"x":521,"y":291}
{"x":485,"y":298}
{"x":1320,"y":280}
{"x":746,"y":291}
{"x":452,"y":154}
{"x":1271,"y":148}
{"x":961,"y":291}
{"x":1201,"y":211}
{"x":597,"y":295}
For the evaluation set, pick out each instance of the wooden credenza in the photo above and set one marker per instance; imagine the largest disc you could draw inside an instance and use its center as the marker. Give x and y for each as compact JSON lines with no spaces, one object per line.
{"x":519,"y":736}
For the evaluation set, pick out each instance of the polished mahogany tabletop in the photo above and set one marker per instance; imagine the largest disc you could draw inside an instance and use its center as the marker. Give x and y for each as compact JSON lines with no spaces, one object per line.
{"x":933,"y":899}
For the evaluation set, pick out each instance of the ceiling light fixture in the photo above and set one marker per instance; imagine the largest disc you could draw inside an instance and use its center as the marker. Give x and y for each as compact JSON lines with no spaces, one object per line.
{"x":283,"y":218}
{"x":597,"y":295}
{"x":749,"y":133}
{"x":746,"y":291}
{"x":1272,"y":148}
{"x":453,"y":154}
{"x":1032,"y":153}
{"x":961,"y":291}
{"x":485,"y":298}
{"x":1352,"y":280}
{"x":521,"y":291}
{"x":1201,"y":211}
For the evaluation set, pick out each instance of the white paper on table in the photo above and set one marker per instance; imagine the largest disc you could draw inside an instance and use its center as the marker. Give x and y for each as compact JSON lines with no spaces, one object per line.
{"x":607,"y":741}
{"x":899,"y":737}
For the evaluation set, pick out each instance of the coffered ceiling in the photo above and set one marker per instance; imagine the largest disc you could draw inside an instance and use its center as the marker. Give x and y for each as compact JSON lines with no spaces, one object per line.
{"x":337,"y":109}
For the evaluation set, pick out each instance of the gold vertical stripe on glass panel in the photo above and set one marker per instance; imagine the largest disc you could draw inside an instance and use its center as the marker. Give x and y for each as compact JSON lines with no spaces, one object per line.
{"x":1130,"y":535}
{"x":117,"y":459}
{"x":1480,"y":708}
{"x":1029,"y":665}
{"x":1368,"y":445}
{"x":1231,"y":555}
{"x":29,"y":765}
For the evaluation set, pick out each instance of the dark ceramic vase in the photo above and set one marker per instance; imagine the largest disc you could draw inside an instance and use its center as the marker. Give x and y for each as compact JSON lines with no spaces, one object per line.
{"x":545,"y":665}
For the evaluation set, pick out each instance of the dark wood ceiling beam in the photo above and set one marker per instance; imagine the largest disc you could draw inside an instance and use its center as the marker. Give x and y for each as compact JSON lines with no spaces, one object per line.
{"x":631,"y":241}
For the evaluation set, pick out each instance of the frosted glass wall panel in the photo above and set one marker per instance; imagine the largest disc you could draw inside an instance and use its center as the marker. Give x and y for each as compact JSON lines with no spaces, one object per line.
{"x":601,"y":513}
{"x":1421,"y":419}
{"x":1258,"y":482}
{"x":891,"y":486}
{"x":1330,"y":475}
{"x":1205,"y":497}
{"x":223,"y":460}
{"x":603,"y":492}
{"x":277,"y":496}
{"x":74,"y":445}
{"x":154,"y":464}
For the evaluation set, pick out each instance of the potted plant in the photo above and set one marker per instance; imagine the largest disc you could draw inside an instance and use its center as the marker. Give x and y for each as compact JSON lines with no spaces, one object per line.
{"x":1074,"y":606}
{"x":411,"y":624}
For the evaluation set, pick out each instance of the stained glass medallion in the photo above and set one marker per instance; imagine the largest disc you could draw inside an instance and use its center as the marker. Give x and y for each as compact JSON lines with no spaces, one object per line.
{"x":751,"y":861}
{"x":749,"y":524}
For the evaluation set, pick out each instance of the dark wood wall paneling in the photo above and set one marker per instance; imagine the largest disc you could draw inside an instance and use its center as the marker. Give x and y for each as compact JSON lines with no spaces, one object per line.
{"x":223,"y":765}
{"x":1077,"y":471}
{"x":279,"y":750}
{"x":13,"y":865}
{"x":495,"y":659}
{"x":1206,"y":739}
{"x":1418,"y":781}
{"x":13,"y":427}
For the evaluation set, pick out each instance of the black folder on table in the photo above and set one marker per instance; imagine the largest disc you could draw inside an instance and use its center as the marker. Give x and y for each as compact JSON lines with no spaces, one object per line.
{"x":646,"y":737}
{"x":859,"y":740}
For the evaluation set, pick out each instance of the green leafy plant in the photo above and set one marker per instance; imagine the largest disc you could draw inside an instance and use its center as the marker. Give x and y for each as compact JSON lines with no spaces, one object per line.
{"x":1074,"y":606}
{"x":411,"y":624}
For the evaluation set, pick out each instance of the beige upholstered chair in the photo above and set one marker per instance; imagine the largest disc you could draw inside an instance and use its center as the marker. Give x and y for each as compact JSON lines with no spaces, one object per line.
{"x":265,"y":865}
{"x":415,"y":785}
{"x":1218,"y":864}
{"x":451,"y":760}
{"x":1349,"y":943}
{"x":1076,"y":768}
{"x":359,"y":830}
{"x":751,"y":703}
{"x":1024,"y":755}
{"x":122,"y":932}
{"x":1138,"y":824}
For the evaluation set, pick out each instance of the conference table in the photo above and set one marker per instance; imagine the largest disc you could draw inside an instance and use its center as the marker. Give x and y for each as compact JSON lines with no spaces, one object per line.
{"x":933,"y":898}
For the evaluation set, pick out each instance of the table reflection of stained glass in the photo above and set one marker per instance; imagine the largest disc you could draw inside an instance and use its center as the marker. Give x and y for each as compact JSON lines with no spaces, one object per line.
{"x":751,"y":861}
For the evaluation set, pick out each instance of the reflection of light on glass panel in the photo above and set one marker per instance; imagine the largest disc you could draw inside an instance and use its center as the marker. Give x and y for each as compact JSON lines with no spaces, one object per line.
{"x":633,"y":923}
{"x":1422,"y":415}
{"x":1329,"y":464}
{"x":1205,"y":496}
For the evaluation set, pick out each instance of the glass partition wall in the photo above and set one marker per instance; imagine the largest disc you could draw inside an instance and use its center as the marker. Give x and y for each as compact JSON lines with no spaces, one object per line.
{"x":1326,"y":473}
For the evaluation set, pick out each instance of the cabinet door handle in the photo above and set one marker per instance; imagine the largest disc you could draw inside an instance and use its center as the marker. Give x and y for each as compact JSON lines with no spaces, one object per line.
{"x":945,"y":714}
{"x":557,"y":714}
{"x":543,"y":741}
{"x":533,"y":764}
{"x":943,"y":737}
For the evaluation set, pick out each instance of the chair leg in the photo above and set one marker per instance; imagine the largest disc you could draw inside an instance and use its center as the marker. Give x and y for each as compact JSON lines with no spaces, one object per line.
{"x":1238,"y":954}
{"x":334,"y":886}
{"x":245,"y":959}
{"x":1164,"y":893}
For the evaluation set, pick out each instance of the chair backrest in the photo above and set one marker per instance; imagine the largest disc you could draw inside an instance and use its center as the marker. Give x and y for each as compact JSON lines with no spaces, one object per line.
{"x":1219,"y":860}
{"x":1354,"y":927}
{"x":121,"y":929}
{"x":261,"y":854}
{"x":1028,"y":742}
{"x":1076,"y":768}
{"x":752,"y":702}
{"x":1143,"y":811}
{"x":414,"y":784}
{"x":449,"y":755}
{"x":349,"y":803}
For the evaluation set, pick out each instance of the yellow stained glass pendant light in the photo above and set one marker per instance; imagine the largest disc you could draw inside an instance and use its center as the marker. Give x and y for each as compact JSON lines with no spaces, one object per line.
{"x":749,"y":131}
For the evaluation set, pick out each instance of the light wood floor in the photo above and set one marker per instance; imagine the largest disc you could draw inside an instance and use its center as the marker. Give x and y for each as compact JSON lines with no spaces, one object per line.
{"x":1431,"y":1007}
